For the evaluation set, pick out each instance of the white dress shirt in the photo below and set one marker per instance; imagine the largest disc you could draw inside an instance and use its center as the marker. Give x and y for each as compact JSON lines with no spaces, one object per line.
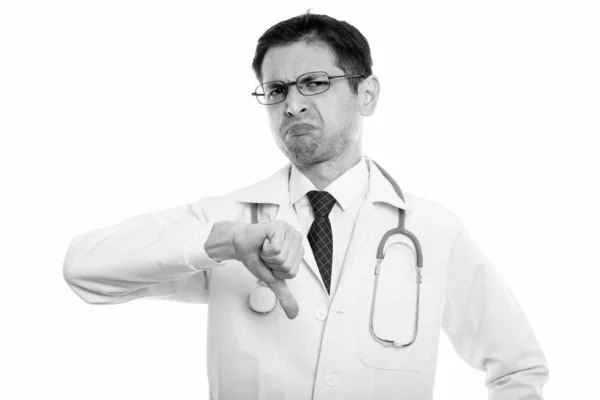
{"x":349,"y":190}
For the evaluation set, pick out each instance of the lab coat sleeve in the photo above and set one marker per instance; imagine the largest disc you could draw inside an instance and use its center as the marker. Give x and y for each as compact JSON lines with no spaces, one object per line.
{"x":156,"y":255}
{"x":487,"y":326}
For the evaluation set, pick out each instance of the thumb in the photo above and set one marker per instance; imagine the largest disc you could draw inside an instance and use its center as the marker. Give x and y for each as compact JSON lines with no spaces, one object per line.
{"x":268,"y":249}
{"x":277,"y":285}
{"x":285,"y":297}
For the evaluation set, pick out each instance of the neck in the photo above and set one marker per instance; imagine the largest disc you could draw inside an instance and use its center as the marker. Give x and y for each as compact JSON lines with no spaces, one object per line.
{"x":323,"y":173}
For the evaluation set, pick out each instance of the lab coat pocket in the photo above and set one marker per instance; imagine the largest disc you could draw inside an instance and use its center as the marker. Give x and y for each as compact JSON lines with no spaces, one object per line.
{"x":394,"y":316}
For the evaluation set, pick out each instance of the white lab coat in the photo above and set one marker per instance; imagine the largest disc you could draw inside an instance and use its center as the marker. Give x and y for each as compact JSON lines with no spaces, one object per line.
{"x":327,"y":352}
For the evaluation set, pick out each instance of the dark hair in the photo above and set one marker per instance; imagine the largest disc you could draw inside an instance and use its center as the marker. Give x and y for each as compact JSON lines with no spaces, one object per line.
{"x":349,"y":47}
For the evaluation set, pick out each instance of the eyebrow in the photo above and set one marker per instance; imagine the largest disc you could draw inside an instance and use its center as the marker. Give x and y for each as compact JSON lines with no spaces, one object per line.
{"x":274,"y":81}
{"x":304,"y":73}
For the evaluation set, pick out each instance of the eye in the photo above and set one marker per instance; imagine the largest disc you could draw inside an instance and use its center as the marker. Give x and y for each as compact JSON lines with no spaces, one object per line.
{"x":316,"y":83}
{"x":276,"y":91}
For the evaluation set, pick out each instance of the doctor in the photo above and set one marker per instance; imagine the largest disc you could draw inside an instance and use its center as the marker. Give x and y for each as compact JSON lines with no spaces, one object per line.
{"x":319,"y":222}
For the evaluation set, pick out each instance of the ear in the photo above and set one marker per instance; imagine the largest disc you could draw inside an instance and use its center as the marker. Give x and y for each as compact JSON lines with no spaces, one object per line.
{"x":368,"y":94}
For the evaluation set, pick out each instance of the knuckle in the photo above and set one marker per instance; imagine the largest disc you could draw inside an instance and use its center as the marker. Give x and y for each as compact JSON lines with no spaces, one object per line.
{"x":281,"y":267}
{"x":293,"y":271}
{"x":283,"y":274}
{"x":280,"y":274}
{"x":275,"y":251}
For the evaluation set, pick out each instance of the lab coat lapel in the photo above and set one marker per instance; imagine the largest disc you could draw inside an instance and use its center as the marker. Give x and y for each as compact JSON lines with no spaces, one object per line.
{"x":288,"y":214}
{"x":380,"y":190}
{"x":362,"y":231}
{"x":274,"y":190}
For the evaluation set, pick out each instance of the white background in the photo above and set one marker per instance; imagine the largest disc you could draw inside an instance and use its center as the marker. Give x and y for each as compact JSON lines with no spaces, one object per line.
{"x":115,"y":108}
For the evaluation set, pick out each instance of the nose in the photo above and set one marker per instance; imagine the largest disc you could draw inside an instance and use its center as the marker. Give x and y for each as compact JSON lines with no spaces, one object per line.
{"x":296,"y":102}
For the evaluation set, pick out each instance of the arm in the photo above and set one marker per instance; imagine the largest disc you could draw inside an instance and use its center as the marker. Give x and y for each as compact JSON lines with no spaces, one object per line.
{"x":488,"y":328}
{"x":158,"y":255}
{"x":169,"y":255}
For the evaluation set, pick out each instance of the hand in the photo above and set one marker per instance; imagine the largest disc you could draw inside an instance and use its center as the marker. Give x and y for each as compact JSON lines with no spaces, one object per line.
{"x":272,"y":251}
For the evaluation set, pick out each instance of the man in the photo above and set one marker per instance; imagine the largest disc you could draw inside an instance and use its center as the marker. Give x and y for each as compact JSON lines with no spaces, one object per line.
{"x":310,"y":233}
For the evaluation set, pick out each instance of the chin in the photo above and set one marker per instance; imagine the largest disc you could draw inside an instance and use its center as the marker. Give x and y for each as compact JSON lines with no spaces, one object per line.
{"x":306,"y":155}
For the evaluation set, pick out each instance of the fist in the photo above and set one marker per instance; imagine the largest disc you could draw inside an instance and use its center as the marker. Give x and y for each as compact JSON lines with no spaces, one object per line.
{"x":272,"y":251}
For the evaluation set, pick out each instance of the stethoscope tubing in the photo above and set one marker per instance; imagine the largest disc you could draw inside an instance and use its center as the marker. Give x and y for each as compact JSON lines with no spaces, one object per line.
{"x":380,"y":256}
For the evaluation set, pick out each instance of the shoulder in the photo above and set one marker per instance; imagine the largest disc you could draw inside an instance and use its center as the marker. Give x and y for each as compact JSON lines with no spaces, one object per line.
{"x":269,"y":189}
{"x":427,"y":211}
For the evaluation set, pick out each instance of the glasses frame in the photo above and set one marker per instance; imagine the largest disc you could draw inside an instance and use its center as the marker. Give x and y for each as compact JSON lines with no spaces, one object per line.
{"x":287,"y":85}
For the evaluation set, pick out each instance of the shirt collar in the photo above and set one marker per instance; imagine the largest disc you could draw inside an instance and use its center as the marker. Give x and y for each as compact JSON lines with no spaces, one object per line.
{"x":345,"y":189}
{"x":276,"y":189}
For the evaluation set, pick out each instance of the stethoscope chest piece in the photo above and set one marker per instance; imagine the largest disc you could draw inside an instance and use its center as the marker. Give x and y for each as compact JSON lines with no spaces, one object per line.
{"x":262,"y":299}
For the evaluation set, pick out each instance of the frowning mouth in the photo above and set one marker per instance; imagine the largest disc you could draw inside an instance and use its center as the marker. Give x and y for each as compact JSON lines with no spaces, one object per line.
{"x":299,"y":129}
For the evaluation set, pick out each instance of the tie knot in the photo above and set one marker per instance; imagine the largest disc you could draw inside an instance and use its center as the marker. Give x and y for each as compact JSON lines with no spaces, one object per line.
{"x":322,"y":203}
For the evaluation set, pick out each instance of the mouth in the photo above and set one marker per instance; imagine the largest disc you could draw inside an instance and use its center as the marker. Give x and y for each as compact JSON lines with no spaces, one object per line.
{"x":299,"y":129}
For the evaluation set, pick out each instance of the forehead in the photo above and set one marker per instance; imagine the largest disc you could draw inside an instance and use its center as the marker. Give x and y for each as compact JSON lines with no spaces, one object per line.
{"x":286,"y":63}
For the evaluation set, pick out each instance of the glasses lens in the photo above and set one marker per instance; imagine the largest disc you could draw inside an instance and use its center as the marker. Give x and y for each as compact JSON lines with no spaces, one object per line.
{"x":271,"y":92}
{"x":313,"y":83}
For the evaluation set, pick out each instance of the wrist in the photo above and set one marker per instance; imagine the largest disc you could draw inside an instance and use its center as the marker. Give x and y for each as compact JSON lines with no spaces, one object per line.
{"x":220,"y":244}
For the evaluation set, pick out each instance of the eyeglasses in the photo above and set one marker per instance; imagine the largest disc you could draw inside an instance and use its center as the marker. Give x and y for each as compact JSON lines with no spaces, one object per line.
{"x":308,"y":84}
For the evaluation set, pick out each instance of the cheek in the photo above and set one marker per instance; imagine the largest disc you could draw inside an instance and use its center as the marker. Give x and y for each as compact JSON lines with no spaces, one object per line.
{"x":340,"y":115}
{"x":274,"y":121}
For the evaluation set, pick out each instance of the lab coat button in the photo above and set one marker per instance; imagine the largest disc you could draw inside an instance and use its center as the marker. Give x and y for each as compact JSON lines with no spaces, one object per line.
{"x":331,"y":379}
{"x":320,"y":315}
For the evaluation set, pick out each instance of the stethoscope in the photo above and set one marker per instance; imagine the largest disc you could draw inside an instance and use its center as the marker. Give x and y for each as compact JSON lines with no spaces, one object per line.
{"x":262,"y":300}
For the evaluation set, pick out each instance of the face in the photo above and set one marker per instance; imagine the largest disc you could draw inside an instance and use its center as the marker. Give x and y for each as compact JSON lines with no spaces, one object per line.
{"x":312,"y":129}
